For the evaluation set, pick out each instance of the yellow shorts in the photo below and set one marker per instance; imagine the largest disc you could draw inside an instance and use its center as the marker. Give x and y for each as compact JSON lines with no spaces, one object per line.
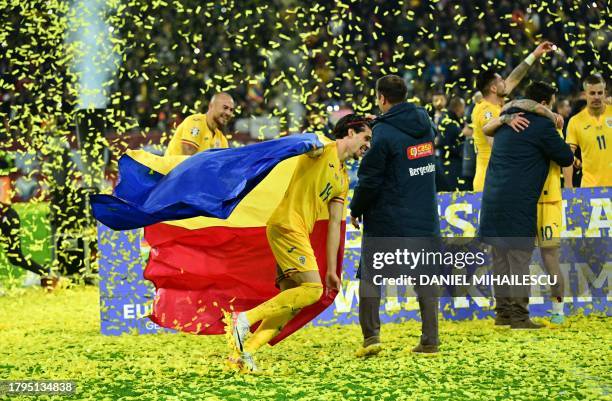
{"x":292,"y":251}
{"x":549,"y":224}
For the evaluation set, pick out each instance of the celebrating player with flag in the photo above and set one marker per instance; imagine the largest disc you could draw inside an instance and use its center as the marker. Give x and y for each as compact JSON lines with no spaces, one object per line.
{"x":319,"y":180}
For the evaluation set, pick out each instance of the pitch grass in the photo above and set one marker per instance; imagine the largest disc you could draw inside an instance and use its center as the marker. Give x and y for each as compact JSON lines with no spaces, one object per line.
{"x":56,"y":336}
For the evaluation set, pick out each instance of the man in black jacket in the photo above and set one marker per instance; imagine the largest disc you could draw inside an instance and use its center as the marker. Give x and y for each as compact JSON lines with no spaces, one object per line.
{"x":396,"y":196}
{"x":450,"y":147}
{"x":516,"y":174}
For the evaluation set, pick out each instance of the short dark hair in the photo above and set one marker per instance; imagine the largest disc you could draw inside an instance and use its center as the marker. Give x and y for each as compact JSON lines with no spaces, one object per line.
{"x":354,"y":121}
{"x":393,"y":88}
{"x":593,"y":79}
{"x":484,"y":80}
{"x":540,"y":92}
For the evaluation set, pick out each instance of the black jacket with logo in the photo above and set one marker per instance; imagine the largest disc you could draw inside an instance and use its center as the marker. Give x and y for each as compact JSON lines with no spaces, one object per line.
{"x":515,"y":177}
{"x":396,"y":191}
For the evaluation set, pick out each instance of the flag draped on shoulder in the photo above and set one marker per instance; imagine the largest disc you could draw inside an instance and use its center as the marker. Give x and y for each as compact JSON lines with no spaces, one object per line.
{"x":212,"y":183}
{"x":205,"y":220}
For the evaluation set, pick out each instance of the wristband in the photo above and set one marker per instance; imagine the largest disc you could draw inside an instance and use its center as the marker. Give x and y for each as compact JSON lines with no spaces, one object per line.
{"x":530,"y":59}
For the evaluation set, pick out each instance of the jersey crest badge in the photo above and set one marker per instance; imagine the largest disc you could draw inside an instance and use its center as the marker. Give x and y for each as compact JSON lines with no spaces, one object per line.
{"x":195,"y":131}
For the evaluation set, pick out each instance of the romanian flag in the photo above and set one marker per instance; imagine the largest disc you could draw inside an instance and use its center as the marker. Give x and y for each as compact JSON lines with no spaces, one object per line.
{"x":201,"y":266}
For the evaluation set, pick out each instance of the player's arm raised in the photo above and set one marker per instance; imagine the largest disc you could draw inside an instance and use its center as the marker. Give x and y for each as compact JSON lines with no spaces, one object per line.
{"x":336,"y":209}
{"x":520,"y":71}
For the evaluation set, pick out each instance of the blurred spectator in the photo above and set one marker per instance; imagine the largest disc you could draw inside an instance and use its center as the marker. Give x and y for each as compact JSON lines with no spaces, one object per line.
{"x":439,"y":108}
{"x":450,"y":145}
{"x":282,"y":58}
{"x":6,"y":167}
{"x":10,"y":227}
{"x":564,"y":108}
{"x":577,"y":106}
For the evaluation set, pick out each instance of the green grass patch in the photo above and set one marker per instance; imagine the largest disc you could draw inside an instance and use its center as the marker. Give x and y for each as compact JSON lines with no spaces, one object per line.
{"x":56,"y":336}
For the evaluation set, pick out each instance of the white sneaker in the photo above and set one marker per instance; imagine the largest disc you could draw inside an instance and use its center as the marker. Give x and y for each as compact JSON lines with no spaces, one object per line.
{"x":31,"y":280}
{"x":240,"y":329}
{"x":245,"y":363}
{"x":248,"y":362}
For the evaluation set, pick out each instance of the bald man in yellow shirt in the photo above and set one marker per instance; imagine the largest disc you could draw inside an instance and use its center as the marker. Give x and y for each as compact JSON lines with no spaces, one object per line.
{"x":591,"y":131}
{"x":200,"y":132}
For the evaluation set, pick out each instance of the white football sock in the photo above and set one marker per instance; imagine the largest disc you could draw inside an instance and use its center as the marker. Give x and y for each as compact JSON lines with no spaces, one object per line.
{"x":557,"y":307}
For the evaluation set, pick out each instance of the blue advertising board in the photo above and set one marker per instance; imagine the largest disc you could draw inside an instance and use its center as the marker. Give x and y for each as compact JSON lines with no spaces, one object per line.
{"x":126,"y":298}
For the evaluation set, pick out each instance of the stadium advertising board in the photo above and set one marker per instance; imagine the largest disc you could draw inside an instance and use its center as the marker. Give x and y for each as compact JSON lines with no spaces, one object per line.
{"x":126,"y":298}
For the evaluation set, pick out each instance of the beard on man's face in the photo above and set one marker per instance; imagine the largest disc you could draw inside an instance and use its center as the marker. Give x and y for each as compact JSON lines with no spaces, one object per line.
{"x":220,"y":120}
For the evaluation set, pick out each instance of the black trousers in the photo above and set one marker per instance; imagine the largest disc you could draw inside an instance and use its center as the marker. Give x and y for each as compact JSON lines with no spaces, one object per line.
{"x":511,"y":302}
{"x":10,"y":227}
{"x":369,"y":316}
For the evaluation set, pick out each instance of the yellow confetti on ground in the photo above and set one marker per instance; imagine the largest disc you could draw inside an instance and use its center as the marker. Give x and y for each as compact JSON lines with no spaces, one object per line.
{"x":56,"y":336}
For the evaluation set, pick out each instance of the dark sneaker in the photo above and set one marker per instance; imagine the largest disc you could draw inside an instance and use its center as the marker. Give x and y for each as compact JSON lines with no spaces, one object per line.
{"x":525,"y":325}
{"x":371,"y":347}
{"x":502,"y":321}
{"x":49,"y":283}
{"x":370,"y":350}
{"x":426,"y":349}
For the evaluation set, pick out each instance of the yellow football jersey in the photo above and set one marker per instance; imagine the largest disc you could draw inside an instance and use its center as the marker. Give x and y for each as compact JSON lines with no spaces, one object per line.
{"x":316,"y":181}
{"x":594,"y":138}
{"x":194,"y":130}
{"x":552,"y":186}
{"x":483,"y":112}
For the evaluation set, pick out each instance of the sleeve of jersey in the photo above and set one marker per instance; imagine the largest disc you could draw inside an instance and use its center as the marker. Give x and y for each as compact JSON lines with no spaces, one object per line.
{"x":341,"y":197}
{"x":184,"y":132}
{"x":343,"y":193}
{"x":477,"y":118}
{"x":572,"y":138}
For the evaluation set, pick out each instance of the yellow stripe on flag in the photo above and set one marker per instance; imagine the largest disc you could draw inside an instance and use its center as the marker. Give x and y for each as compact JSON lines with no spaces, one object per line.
{"x":257,"y":207}
{"x":161,"y":164}
{"x":254,"y":210}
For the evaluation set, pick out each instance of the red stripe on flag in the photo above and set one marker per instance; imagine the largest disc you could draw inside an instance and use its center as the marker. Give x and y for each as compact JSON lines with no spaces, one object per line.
{"x":199,"y":273}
